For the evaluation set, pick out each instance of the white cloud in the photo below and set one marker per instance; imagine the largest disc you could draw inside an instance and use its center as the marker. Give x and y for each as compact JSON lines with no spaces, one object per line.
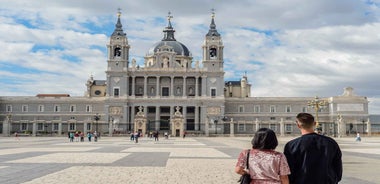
{"x":287,"y":48}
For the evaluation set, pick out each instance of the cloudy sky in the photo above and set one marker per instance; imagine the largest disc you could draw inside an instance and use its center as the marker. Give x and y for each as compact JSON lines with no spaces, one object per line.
{"x":288,"y":48}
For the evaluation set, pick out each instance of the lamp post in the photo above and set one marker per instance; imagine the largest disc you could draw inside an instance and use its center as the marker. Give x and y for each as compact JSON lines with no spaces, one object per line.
{"x":317,"y":104}
{"x":97,"y":118}
{"x":216,"y":122}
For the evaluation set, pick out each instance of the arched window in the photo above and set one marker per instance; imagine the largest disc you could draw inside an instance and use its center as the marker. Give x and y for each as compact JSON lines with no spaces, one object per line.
{"x":117,"y":52}
{"x":213,"y":53}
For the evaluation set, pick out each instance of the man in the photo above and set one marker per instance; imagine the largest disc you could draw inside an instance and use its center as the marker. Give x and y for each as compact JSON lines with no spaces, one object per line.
{"x":313,"y":158}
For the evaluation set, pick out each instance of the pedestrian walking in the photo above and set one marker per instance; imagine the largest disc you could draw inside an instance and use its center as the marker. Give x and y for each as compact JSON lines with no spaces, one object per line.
{"x":89,"y":135}
{"x":71,"y":136}
{"x":156,"y":134}
{"x":136,"y":135}
{"x":358,"y":138}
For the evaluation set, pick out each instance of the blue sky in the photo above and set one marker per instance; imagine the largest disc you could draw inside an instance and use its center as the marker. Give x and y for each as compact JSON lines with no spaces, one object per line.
{"x":288,"y":48}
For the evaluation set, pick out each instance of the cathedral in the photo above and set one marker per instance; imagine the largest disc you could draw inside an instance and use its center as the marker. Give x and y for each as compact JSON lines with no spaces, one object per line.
{"x":171,"y":93}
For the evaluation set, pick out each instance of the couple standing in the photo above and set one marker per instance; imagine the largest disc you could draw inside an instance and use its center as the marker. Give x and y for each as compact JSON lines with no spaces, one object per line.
{"x":309,"y":159}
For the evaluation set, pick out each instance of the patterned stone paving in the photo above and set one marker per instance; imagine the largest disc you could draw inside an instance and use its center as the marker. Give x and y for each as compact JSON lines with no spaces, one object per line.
{"x":36,"y":160}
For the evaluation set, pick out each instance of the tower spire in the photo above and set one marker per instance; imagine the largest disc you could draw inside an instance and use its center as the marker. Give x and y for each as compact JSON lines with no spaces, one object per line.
{"x":118,"y":27}
{"x":212,"y":31}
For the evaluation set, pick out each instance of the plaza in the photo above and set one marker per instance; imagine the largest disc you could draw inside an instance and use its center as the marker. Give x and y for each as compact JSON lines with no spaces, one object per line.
{"x":35,"y":160}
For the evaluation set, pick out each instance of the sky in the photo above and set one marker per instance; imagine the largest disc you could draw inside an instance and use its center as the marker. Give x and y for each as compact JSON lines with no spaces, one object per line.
{"x":287,"y":48}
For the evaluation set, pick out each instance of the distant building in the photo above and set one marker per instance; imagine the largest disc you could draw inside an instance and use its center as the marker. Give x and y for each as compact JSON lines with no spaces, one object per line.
{"x":172,"y":93}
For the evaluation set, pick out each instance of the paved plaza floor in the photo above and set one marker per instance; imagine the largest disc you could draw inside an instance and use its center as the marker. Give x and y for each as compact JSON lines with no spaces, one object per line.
{"x":36,"y":160}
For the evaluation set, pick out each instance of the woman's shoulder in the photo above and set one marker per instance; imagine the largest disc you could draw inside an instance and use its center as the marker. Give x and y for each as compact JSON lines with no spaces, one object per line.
{"x":272,"y":152}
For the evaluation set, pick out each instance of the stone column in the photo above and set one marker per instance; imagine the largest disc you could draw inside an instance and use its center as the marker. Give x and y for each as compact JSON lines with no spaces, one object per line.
{"x":204,"y":86}
{"x":232,"y":130}
{"x":126,"y":85}
{"x":60,"y":128}
{"x":171,"y":112}
{"x":196,"y":86}
{"x":282,"y":131}
{"x":257,"y":124}
{"x":158,"y":86}
{"x":172,"y":86}
{"x":184,"y":87}
{"x":206,"y":126}
{"x":110,"y":125}
{"x":84,"y":127}
{"x":132,"y":120}
{"x":184,"y":114}
{"x":34,"y":129}
{"x":145,"y":86}
{"x":369,"y":132}
{"x":157,"y":118}
{"x":133,"y":85}
{"x":196,"y":121}
{"x":7,"y":126}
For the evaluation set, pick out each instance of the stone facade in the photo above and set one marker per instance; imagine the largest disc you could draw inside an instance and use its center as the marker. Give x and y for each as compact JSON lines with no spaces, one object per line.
{"x":170,"y":84}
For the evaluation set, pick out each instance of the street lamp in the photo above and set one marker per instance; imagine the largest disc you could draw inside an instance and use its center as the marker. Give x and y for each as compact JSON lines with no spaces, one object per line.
{"x":97,"y":118}
{"x":216,"y":122}
{"x":317,"y":104}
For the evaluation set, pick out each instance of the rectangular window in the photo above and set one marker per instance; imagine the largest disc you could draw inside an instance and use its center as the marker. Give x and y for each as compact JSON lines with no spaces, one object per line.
{"x":257,"y":109}
{"x":40,"y":126}
{"x":272,"y":108}
{"x":241,"y":127}
{"x":165,"y":91}
{"x":116,"y":92}
{"x":24,"y":126}
{"x":288,"y":108}
{"x":9,"y":108}
{"x":24,"y":108}
{"x":41,"y":108}
{"x":304,"y":109}
{"x":88,"y":108}
{"x":55,"y":126}
{"x":72,"y":108}
{"x":241,"y":108}
{"x":288,"y":128}
{"x":57,"y":108}
{"x":272,"y":118}
{"x":213,"y":92}
{"x":72,"y":126}
{"x":151,"y":109}
{"x":273,"y":127}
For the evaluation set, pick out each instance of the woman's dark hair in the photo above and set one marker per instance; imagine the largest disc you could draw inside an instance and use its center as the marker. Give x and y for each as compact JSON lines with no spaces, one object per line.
{"x":264,"y":138}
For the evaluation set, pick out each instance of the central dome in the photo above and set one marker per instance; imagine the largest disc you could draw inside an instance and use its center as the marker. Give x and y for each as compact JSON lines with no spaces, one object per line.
{"x":170,"y":41}
{"x":178,"y":47}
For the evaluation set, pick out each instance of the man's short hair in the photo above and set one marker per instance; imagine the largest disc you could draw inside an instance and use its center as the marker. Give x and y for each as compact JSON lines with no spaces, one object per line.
{"x":305,"y":120}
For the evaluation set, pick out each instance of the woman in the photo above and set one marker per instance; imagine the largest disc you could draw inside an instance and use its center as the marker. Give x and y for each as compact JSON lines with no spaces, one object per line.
{"x":266,"y":166}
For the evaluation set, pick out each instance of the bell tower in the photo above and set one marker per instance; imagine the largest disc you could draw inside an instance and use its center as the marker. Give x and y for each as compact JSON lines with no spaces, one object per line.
{"x":117,"y":61}
{"x":213,"y":62}
{"x":213,"y":48}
